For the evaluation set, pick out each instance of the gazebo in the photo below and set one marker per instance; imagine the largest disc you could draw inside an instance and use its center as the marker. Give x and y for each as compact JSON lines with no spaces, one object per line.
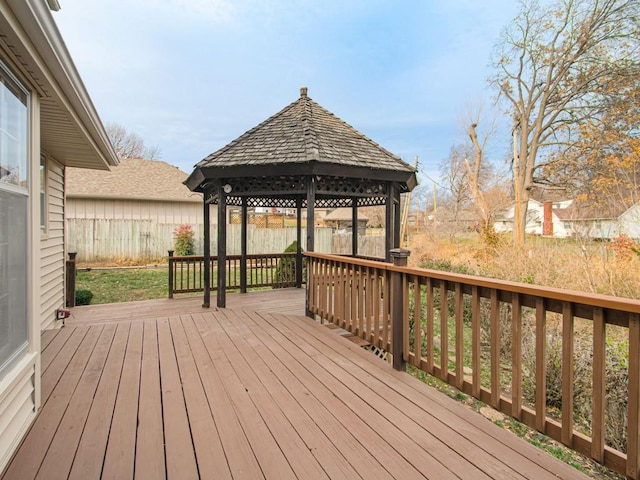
{"x":302,"y":157}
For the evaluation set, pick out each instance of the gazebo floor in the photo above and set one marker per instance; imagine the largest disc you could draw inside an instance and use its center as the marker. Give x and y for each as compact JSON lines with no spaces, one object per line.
{"x":247,"y":393}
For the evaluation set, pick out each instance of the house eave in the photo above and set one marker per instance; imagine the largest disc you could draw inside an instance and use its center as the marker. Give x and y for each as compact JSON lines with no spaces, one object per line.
{"x":71,"y":129}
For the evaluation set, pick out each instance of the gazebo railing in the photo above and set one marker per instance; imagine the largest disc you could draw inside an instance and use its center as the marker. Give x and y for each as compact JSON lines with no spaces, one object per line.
{"x":278,"y":270}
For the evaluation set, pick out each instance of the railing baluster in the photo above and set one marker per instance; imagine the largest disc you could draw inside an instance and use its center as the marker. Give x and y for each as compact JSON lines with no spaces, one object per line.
{"x":430,"y":320}
{"x":459,"y":311}
{"x":598,"y":402}
{"x":417,"y":322}
{"x":444,"y":331}
{"x":405,"y":317}
{"x":541,"y":364}
{"x":475,"y":340}
{"x":375,"y":331}
{"x":567,"y":373}
{"x":494,"y":334}
{"x":633,"y":405}
{"x":516,"y":357}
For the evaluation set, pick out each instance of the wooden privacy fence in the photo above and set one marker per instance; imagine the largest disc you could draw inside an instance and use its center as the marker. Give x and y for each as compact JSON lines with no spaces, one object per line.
{"x":98,"y":240}
{"x":278,"y":270}
{"x":517,"y":347}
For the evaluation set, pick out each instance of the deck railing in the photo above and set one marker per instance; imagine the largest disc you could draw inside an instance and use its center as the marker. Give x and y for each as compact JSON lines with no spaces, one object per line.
{"x":485,"y":337}
{"x":186,"y":273}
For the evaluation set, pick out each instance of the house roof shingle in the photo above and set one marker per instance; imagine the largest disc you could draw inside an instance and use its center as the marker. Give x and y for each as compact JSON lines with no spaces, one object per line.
{"x":133,"y":178}
{"x":305,"y":132}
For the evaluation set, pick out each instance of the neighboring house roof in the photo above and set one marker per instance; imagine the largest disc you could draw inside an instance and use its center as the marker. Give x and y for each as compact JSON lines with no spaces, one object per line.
{"x":71,"y":130}
{"x":303,"y":134}
{"x":131,"y":180}
{"x":344,"y":214}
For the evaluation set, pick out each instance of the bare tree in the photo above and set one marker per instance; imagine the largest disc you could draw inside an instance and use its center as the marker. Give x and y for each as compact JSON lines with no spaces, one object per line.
{"x":129,"y":144}
{"x":551,"y":66}
{"x":454,"y":175}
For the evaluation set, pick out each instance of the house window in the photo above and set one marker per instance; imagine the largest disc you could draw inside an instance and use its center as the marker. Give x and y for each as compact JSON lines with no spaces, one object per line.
{"x":14,"y":221}
{"x":43,"y":194}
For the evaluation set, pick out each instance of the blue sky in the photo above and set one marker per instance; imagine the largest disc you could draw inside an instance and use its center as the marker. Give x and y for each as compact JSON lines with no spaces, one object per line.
{"x":191,"y":75}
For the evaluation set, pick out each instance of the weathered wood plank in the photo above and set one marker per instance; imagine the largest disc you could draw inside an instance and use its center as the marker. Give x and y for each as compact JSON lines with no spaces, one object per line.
{"x":62,"y":449}
{"x":93,"y":444}
{"x":271,"y":459}
{"x":329,"y":441}
{"x":208,"y":448}
{"x":179,"y":449}
{"x":121,"y":445}
{"x":150,"y":459}
{"x":240,"y":457}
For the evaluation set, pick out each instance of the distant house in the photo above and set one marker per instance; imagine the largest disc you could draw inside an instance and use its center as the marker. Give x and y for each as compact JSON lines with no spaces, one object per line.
{"x":47,"y":125}
{"x":130,"y":211}
{"x":555,"y":221}
{"x":341,"y":221}
{"x":568,"y":219}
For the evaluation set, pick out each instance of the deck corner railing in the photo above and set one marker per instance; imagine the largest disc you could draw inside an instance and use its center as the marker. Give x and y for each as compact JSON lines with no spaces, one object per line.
{"x":487,"y":338}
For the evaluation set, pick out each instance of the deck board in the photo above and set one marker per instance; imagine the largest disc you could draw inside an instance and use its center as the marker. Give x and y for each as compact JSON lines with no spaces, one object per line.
{"x":247,"y":392}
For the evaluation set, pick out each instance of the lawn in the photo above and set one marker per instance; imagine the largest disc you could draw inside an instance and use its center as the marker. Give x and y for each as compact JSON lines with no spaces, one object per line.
{"x":124,"y":285}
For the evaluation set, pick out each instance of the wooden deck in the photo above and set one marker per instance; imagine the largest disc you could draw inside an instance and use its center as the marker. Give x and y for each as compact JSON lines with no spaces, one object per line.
{"x":247,"y":393}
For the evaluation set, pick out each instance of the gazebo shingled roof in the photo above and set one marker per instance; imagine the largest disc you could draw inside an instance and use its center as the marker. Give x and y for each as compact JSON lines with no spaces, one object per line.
{"x":303,"y":139}
{"x":301,"y":157}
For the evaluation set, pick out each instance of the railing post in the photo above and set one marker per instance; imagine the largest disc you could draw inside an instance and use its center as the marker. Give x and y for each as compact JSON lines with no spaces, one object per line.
{"x":170,"y":273}
{"x":399,"y":257}
{"x":71,"y":279}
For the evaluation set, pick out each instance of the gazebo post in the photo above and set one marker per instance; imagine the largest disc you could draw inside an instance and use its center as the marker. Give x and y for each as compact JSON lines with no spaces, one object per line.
{"x":299,"y":242}
{"x":243,"y":248}
{"x":206,"y":301}
{"x":388,"y":222}
{"x":396,"y":218}
{"x":354,"y":227}
{"x":222,"y":247}
{"x":311,"y":200}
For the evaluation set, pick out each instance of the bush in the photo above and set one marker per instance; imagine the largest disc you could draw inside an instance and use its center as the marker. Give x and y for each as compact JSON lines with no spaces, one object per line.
{"x":285,"y":274}
{"x":184,"y":243}
{"x":83,"y":297}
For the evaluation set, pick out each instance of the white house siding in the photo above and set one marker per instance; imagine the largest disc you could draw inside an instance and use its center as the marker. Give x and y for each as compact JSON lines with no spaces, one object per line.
{"x":157,"y":211}
{"x":17,"y":406}
{"x":52,"y":254}
{"x":630,"y":222}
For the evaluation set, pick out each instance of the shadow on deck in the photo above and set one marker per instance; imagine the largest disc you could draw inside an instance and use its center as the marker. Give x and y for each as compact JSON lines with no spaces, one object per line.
{"x":168,"y":389}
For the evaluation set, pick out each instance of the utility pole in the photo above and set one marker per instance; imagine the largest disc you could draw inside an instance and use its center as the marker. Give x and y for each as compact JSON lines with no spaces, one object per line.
{"x":405,"y":211}
{"x":435,"y":207}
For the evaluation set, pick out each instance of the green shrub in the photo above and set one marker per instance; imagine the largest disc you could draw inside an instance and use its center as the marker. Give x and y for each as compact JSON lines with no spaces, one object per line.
{"x":183,"y":238}
{"x":285,"y":274}
{"x":83,"y":297}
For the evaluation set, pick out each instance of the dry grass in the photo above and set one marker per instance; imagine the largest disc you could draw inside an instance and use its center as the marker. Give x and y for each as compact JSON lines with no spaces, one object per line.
{"x":594,"y":267}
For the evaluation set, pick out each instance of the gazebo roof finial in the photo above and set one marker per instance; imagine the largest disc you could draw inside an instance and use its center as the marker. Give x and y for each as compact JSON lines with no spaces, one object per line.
{"x":303,"y":92}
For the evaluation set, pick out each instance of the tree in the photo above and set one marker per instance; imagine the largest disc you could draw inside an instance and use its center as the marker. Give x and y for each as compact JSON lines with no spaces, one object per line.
{"x":130,"y":145}
{"x":455,"y":176}
{"x":552,"y":64}
{"x":602,"y":167}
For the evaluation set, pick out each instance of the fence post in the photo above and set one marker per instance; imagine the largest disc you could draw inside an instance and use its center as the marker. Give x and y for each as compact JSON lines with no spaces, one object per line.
{"x":70,"y":274}
{"x":170,"y":273}
{"x":399,"y":258}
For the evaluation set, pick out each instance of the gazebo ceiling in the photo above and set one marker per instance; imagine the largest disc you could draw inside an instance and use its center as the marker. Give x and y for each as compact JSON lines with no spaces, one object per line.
{"x":273,"y":162}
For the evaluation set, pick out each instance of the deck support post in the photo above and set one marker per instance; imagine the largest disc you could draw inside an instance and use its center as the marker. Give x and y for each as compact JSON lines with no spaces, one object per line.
{"x":399,"y":257}
{"x":206,"y":301}
{"x":243,"y":247}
